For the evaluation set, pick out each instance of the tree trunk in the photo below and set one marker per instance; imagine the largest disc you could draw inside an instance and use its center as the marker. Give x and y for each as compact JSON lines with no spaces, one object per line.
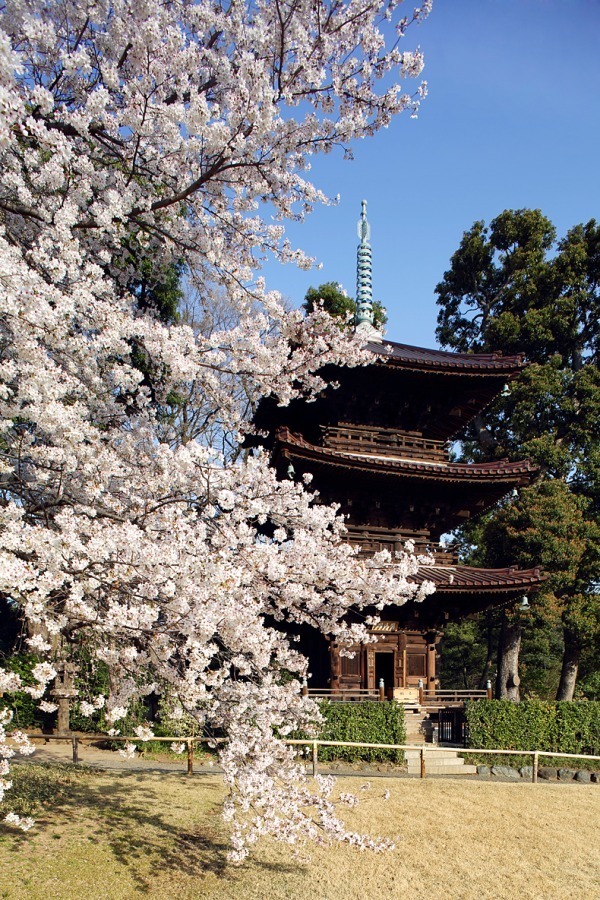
{"x":570,"y":667}
{"x":484,"y":435}
{"x":509,"y":645}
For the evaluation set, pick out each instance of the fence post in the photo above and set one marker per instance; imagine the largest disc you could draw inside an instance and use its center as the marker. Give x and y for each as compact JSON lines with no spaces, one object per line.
{"x":315,"y":757}
{"x":304,"y":688}
{"x":75,"y":742}
{"x":381,"y":689}
{"x":422,"y":755}
{"x":190,"y":756}
{"x":488,"y":688}
{"x":536,"y":762}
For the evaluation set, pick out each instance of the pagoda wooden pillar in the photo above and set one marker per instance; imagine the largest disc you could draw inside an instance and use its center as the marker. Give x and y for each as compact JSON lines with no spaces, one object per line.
{"x":430,"y":665}
{"x":334,"y":681}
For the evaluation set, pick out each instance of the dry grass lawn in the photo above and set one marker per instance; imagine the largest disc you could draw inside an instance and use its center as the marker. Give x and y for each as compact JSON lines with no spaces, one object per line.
{"x":131,"y":834}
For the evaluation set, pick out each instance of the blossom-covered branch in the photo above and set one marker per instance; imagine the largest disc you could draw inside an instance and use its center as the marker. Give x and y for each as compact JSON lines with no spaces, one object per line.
{"x":134,"y":136}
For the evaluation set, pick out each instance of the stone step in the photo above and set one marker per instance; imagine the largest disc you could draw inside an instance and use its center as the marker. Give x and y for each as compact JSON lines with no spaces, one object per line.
{"x":443,"y":770}
{"x":430,"y":763}
{"x":435,"y":759}
{"x":446,"y":762}
{"x":418,"y":728}
{"x":433,"y":754}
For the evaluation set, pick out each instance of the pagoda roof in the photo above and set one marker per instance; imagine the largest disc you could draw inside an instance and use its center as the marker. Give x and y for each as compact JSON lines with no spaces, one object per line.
{"x":444,"y":391}
{"x":470,"y":579}
{"x":447,"y":361}
{"x":519,"y":472}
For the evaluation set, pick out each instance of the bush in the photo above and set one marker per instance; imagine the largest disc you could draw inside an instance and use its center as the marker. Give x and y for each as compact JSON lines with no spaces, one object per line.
{"x":26,"y":714}
{"x":173,"y":721}
{"x":370,"y":722}
{"x":562,"y":727}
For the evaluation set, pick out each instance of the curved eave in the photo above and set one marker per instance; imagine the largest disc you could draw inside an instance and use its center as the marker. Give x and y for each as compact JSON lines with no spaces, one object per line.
{"x":472,"y":580}
{"x":520,"y":472}
{"x":445,"y":361}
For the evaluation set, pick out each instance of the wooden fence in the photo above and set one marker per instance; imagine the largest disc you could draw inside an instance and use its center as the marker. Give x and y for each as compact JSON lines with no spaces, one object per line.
{"x":314,"y":745}
{"x":427,"y":750}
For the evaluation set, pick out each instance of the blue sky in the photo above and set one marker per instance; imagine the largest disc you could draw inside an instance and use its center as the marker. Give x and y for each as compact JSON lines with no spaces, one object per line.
{"x":512,"y":120}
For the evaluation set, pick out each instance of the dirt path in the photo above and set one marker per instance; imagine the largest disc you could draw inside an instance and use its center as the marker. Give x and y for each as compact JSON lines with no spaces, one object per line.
{"x":90,"y":754}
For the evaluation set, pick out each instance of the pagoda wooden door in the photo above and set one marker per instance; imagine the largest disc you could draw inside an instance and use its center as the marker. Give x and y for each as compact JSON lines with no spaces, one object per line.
{"x":416,"y":660}
{"x":386,"y":661}
{"x":398,"y":658}
{"x":401,"y":659}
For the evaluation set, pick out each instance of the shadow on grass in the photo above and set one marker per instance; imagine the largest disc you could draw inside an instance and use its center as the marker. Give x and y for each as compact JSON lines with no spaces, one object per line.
{"x":137,"y":821}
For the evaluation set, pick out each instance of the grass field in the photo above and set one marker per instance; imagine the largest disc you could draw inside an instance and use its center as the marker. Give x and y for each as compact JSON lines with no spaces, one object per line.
{"x":130,"y":834}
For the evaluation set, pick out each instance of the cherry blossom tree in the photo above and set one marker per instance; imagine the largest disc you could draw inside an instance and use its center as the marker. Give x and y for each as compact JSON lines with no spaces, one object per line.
{"x":134,"y":133}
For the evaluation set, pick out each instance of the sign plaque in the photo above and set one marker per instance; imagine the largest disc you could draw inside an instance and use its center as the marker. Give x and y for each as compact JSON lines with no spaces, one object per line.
{"x":385,"y":627}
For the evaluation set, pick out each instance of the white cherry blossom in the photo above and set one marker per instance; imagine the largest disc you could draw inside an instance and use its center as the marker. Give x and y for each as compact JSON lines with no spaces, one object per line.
{"x":136,"y":133}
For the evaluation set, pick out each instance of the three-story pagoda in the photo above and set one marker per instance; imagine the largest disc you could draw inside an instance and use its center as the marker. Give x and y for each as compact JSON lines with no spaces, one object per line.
{"x":379,"y":446}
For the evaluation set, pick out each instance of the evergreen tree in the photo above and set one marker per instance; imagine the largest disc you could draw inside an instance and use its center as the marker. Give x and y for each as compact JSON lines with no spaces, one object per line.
{"x":512,"y":287}
{"x":337,"y":303}
{"x":159,"y":290}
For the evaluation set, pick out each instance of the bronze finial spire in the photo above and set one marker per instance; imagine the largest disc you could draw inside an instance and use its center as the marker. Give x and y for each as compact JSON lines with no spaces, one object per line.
{"x":364,"y":272}
{"x":363,"y":318}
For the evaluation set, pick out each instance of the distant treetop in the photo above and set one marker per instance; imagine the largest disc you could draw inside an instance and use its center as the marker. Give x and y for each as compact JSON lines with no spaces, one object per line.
{"x":338,"y":303}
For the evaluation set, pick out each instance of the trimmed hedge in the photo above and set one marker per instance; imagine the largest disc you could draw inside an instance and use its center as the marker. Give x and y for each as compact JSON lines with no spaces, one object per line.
{"x":371,"y":722}
{"x":562,"y":727}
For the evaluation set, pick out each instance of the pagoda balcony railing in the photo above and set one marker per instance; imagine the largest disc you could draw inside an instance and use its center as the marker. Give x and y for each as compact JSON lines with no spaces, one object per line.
{"x":384,"y":442}
{"x":344,"y":695}
{"x":424,"y":696}
{"x":444,"y":557}
{"x":441,"y":557}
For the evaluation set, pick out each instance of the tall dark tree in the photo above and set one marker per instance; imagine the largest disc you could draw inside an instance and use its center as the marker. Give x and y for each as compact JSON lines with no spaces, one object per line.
{"x":513,"y":287}
{"x":158,"y":289}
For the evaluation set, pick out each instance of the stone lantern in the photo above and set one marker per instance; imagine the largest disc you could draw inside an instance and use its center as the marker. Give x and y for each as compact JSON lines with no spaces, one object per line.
{"x":63,"y":691}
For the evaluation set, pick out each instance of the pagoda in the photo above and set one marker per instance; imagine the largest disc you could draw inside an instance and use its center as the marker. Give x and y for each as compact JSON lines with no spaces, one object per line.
{"x":378,"y":445}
